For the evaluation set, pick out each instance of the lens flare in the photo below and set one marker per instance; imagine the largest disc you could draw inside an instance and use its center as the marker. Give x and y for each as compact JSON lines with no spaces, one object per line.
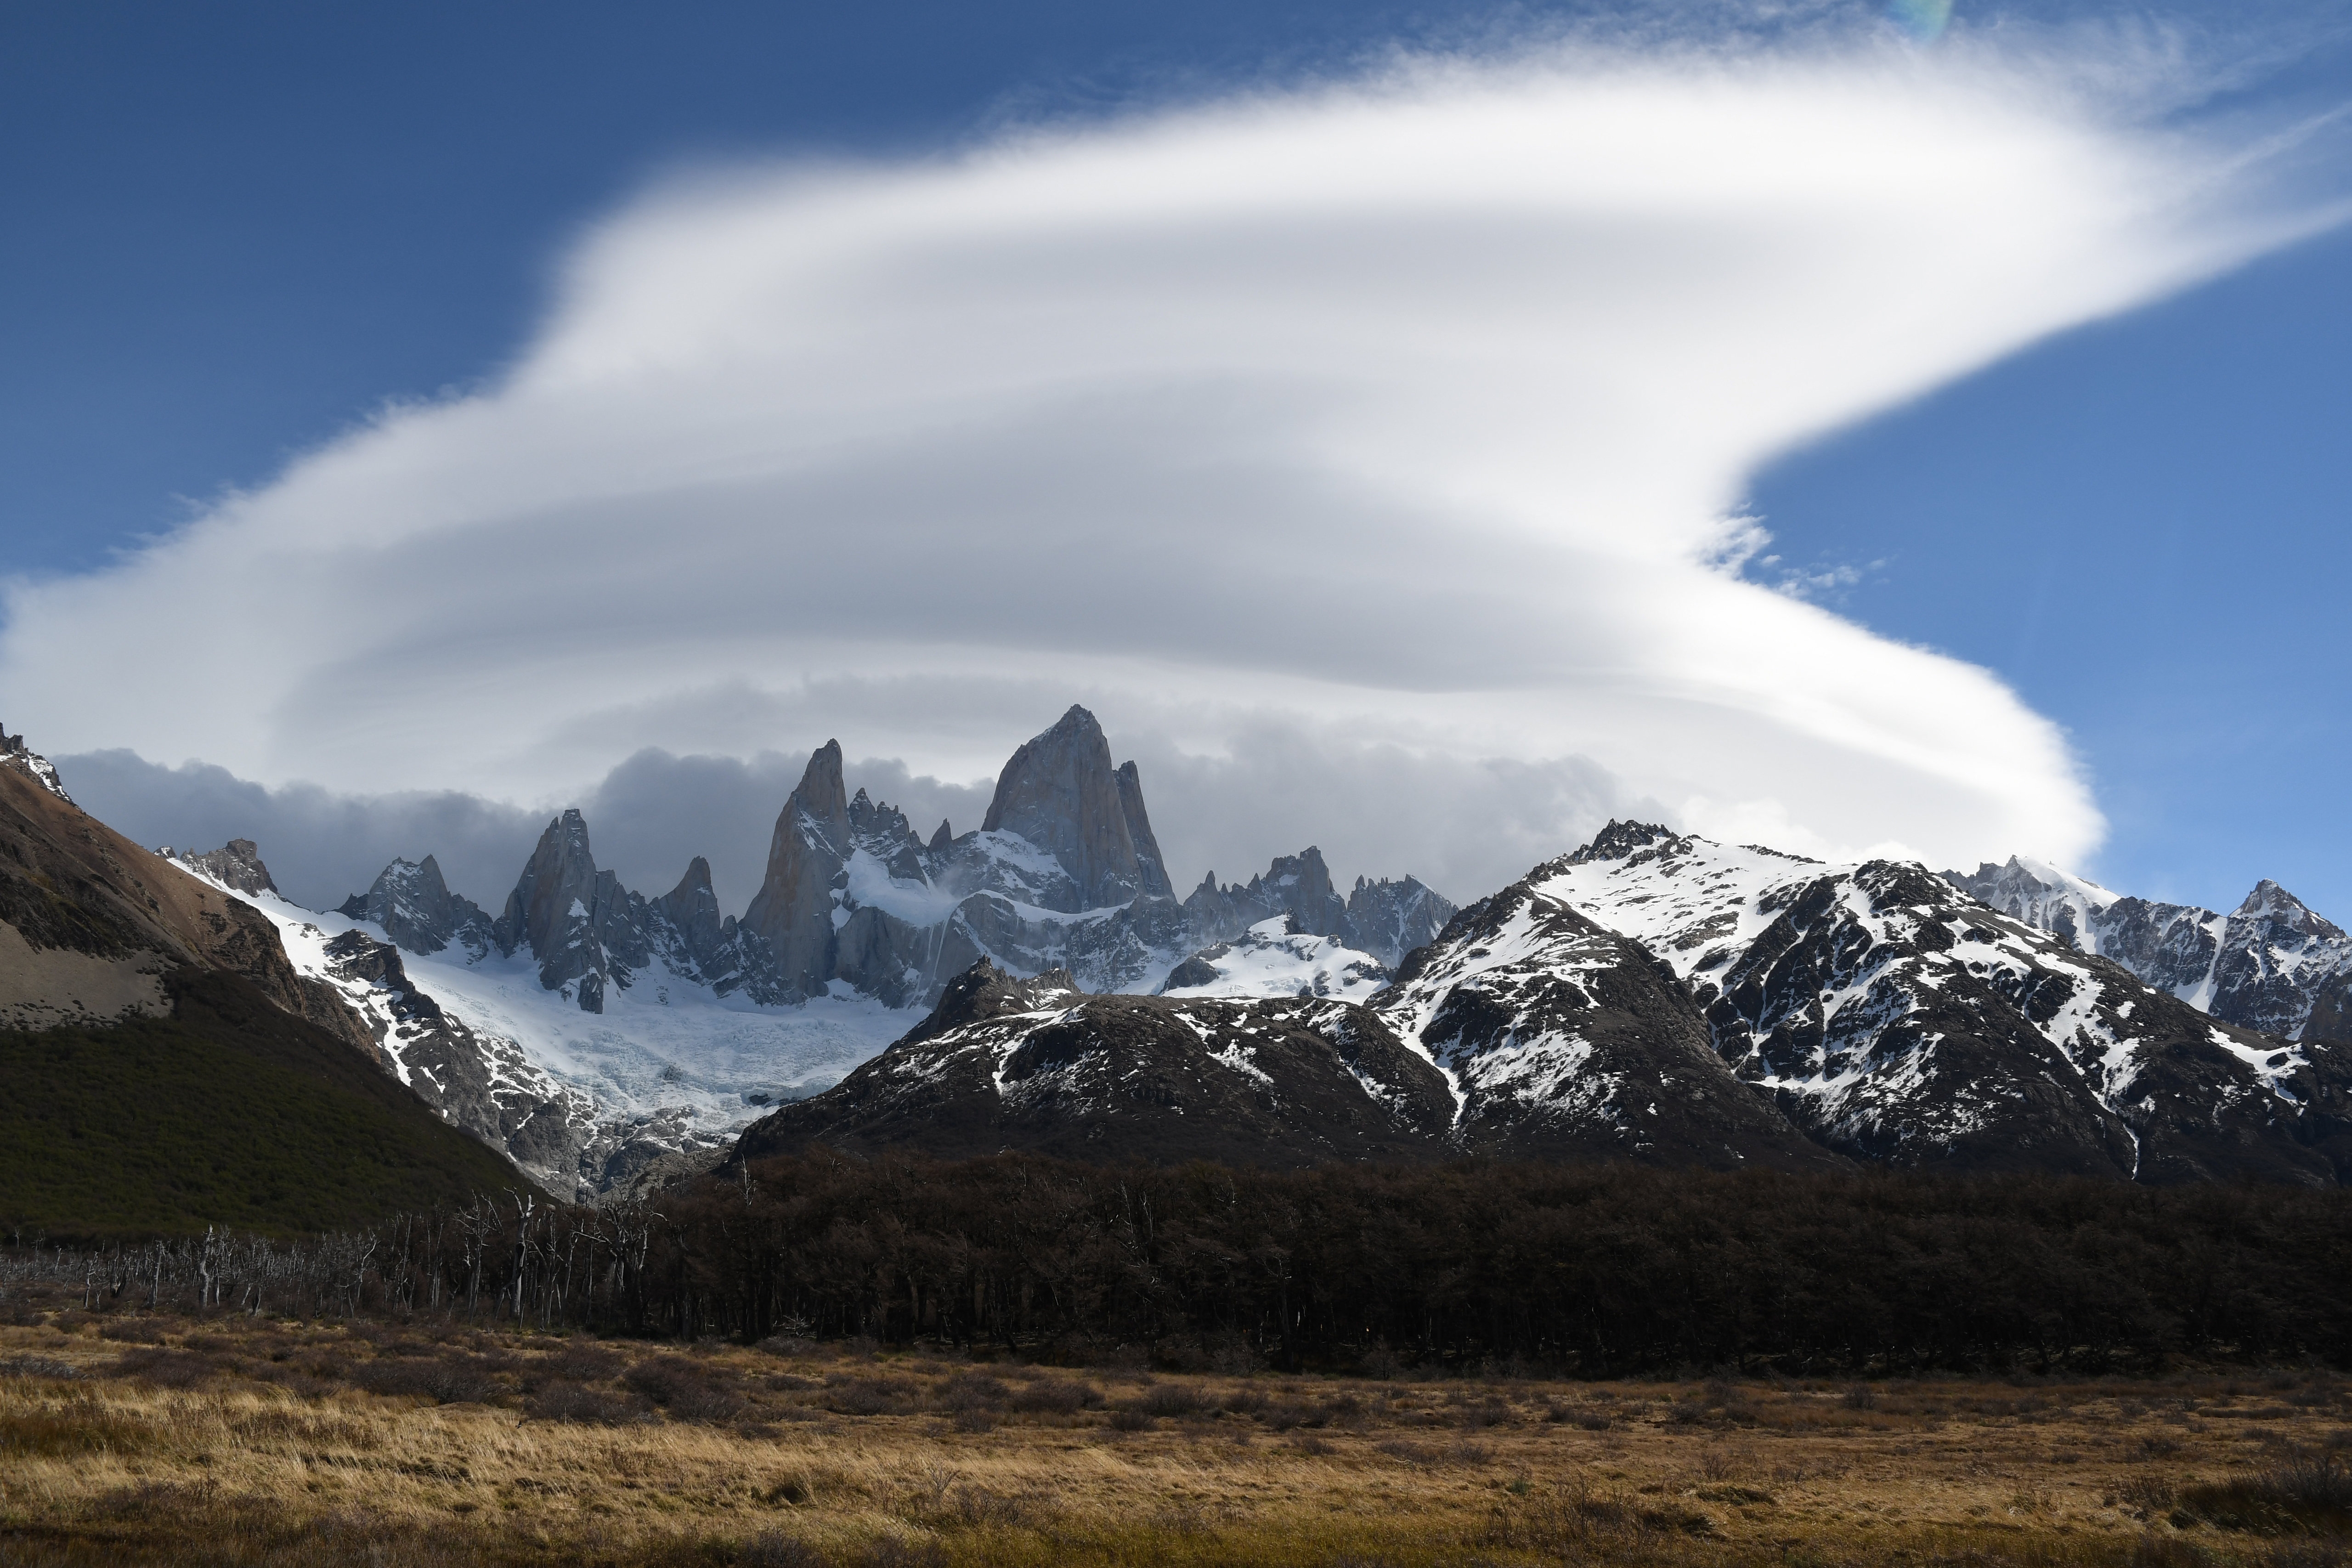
{"x":1925,"y":20}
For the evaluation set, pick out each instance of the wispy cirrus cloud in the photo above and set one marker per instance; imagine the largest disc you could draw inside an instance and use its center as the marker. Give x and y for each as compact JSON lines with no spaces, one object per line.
{"x":1388,"y":426}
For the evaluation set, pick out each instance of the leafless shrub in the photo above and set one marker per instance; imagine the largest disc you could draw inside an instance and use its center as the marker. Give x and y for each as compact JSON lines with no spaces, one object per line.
{"x":161,"y":1368}
{"x":773,"y":1549}
{"x":39,"y":1366}
{"x":856,"y":1395}
{"x":1058,"y":1396}
{"x":449,"y":1380}
{"x":584,"y":1406}
{"x":967,"y":1391}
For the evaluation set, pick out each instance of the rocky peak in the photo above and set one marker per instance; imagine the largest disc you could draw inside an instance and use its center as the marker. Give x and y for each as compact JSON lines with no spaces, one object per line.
{"x":1391,"y":919}
{"x":1298,"y":886}
{"x":15,"y":754}
{"x":941,"y":839}
{"x":692,"y":907}
{"x":578,"y":922}
{"x":1154,"y":868}
{"x":1620,"y":839}
{"x":236,"y":865}
{"x":416,"y":910}
{"x":1301,"y":885}
{"x":1061,"y":793}
{"x":792,"y":912}
{"x":2271,"y":903}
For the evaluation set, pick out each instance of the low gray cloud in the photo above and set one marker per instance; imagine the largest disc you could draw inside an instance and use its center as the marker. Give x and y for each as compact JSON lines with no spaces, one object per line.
{"x":647,"y":819}
{"x":321,"y":847}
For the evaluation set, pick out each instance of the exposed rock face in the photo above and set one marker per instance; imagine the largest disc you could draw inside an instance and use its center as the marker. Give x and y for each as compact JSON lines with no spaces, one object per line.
{"x":792,"y":912}
{"x":1065,"y":872}
{"x":553,"y":911}
{"x":1152,"y":871}
{"x":1565,"y":1040}
{"x":419,"y":911}
{"x":1298,"y":886}
{"x":590,"y":934}
{"x":2265,"y":966}
{"x":1062,"y":795}
{"x":16,"y":755}
{"x":702,"y":947}
{"x":236,"y":865}
{"x":1897,"y":1019}
{"x":1005,"y":1063}
{"x":1389,"y":918}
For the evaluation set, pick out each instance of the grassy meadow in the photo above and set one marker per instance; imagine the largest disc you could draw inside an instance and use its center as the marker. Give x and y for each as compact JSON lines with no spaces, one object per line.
{"x":127,"y":1437}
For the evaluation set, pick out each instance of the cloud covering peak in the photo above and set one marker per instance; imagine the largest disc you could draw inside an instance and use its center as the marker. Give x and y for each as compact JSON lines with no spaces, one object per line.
{"x":1378,"y":444}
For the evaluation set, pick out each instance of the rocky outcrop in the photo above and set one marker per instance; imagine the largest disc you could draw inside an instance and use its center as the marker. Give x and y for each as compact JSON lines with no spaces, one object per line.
{"x":237,"y":864}
{"x":18,"y":757}
{"x":1007,"y":1063}
{"x":416,"y":910}
{"x":1385,"y":919}
{"x":591,"y":936}
{"x":1151,"y":870}
{"x":480,"y":1082}
{"x":2266,"y":965}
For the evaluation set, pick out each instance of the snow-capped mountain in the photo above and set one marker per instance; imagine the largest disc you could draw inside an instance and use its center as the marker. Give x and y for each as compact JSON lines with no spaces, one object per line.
{"x":1897,"y":1018}
{"x":1275,"y":958}
{"x":1560,"y":1037}
{"x":1651,"y":996}
{"x":2270,"y":964}
{"x":588,"y":1029}
{"x":1040,"y":1065}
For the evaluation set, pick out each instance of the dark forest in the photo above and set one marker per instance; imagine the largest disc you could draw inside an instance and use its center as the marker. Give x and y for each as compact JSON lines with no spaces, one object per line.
{"x":1592,"y":1272}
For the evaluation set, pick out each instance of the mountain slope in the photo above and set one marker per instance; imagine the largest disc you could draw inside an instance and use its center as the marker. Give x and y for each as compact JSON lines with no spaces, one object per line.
{"x":166,"y":1065}
{"x":1561,"y":1039}
{"x":1899,"y":1019}
{"x":229,"y":1111}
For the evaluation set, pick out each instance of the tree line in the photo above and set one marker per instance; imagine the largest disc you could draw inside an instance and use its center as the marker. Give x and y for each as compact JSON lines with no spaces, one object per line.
{"x":1592,"y":1271}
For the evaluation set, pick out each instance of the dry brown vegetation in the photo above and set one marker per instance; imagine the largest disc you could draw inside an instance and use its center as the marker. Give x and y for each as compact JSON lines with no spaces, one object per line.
{"x":233,"y":1440}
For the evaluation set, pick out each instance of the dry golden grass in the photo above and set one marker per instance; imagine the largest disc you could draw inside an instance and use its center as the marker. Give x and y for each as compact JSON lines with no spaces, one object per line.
{"x":234,"y":1442}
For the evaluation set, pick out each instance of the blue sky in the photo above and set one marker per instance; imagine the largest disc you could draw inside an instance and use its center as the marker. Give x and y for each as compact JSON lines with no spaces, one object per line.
{"x":240,"y":230}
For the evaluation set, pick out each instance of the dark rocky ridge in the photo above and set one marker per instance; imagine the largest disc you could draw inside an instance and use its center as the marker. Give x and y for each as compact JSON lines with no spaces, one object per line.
{"x":1007,"y":1063}
{"x":2272,"y":964}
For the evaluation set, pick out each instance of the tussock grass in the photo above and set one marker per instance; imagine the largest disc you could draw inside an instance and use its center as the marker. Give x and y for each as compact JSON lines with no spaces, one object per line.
{"x":127,"y":1438}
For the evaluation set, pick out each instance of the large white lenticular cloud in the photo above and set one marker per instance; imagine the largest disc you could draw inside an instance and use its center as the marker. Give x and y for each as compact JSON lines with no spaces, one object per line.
{"x":1362,"y":455}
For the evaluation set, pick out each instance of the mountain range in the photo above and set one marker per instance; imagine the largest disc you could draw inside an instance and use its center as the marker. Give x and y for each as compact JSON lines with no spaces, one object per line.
{"x":1036,"y":982}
